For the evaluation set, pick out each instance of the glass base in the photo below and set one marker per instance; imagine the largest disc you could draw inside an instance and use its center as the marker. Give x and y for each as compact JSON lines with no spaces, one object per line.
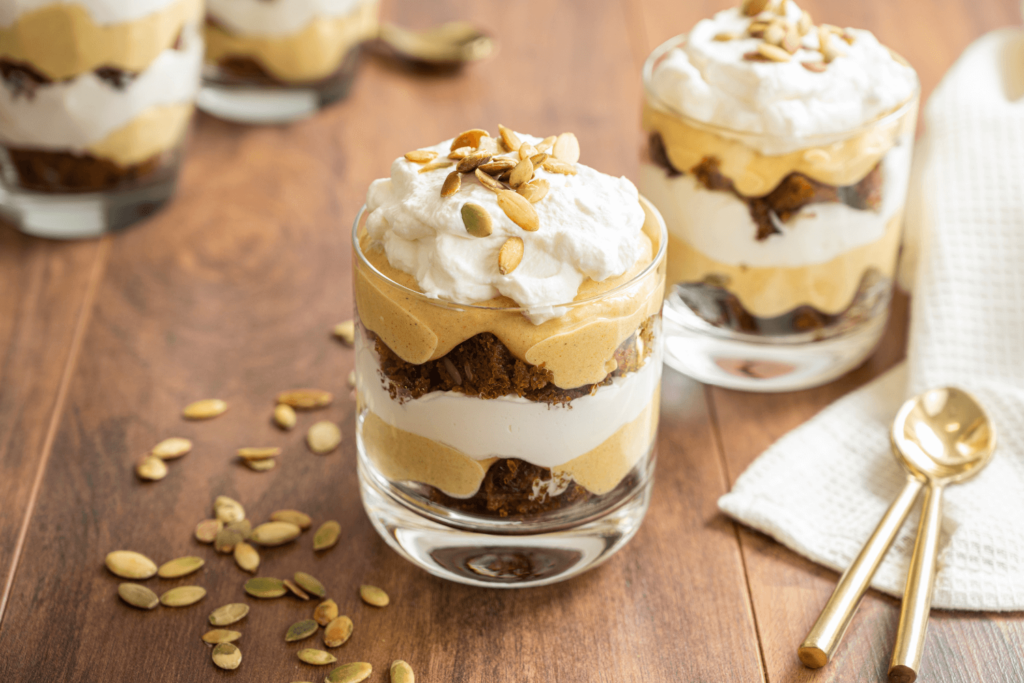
{"x":733,"y":360}
{"x":499,"y":560}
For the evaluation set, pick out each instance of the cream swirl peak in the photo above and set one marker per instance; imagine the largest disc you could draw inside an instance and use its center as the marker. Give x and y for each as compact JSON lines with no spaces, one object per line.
{"x":590,"y":226}
{"x":718,"y":76}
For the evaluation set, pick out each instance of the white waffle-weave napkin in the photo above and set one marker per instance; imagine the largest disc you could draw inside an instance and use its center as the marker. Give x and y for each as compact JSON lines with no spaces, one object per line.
{"x":822,"y":488}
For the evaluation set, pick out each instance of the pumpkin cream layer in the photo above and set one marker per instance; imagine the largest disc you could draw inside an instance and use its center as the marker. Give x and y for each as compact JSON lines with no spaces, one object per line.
{"x":312,"y":54}
{"x":62,"y":41}
{"x":156,"y":130}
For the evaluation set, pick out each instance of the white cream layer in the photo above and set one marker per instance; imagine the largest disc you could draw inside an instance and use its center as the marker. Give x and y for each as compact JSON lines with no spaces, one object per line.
{"x":718,"y":224}
{"x":512,"y":427}
{"x":73,"y":114}
{"x":710,"y":81}
{"x":276,"y":18}
{"x":103,"y":12}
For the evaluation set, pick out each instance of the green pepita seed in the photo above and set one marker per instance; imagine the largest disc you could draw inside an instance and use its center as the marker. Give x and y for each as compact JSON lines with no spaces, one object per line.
{"x":325,"y":612}
{"x":205,"y":409}
{"x":182,"y":566}
{"x":183,"y":596}
{"x":327,"y":535}
{"x":138,"y":596}
{"x":275,"y":533}
{"x":316,"y":657}
{"x":265,"y":587}
{"x":310,"y":584}
{"x":172,"y":448}
{"x":226,"y":540}
{"x":299,"y":519}
{"x":372,"y":595}
{"x":306,"y":399}
{"x":476,"y":219}
{"x":285,"y":417}
{"x":401,"y":672}
{"x":220,"y":635}
{"x":338,"y":631}
{"x":228,"y":510}
{"x":323,"y":437}
{"x":130,"y":565}
{"x":151,"y":469}
{"x":301,"y":630}
{"x":246,"y":557}
{"x":227,"y":656}
{"x":350,"y":673}
{"x":206,"y":530}
{"x":229,"y":614}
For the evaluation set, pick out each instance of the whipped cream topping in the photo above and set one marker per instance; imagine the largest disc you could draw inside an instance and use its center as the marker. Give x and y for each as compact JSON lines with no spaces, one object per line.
{"x":277,"y":18}
{"x":103,"y":12}
{"x":73,"y":114}
{"x":590,"y":227}
{"x":710,"y":81}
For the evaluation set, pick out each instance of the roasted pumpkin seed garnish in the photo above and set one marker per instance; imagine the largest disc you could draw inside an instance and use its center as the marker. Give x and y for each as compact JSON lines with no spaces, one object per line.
{"x":471,"y":162}
{"x":401,"y":672}
{"x":754,"y":7}
{"x":183,"y":596}
{"x":226,"y":540}
{"x":791,"y":43}
{"x":436,"y":164}
{"x":522,"y":173}
{"x":284,"y":416}
{"x":227,"y":656}
{"x":338,"y":631}
{"x":299,"y":519}
{"x":229,"y":614}
{"x":372,"y":595}
{"x":469,"y":138}
{"x":301,"y":630}
{"x":310,"y":584}
{"x":325,"y":612}
{"x":420,"y":156}
{"x":295,"y":590}
{"x":476,"y":219}
{"x":205,"y":409}
{"x":526,"y":150}
{"x":258,"y":452}
{"x":306,"y":399}
{"x":452,"y":184}
{"x":350,"y":673}
{"x":566,"y":148}
{"x":538,"y":159}
{"x":535,"y":190}
{"x":510,"y":255}
{"x":345,"y":331}
{"x":726,"y":36}
{"x":547,"y":143}
{"x":773,"y":53}
{"x":316,"y":657}
{"x":172,"y":448}
{"x":260,"y":465}
{"x":182,"y":566}
{"x":246,"y":557}
{"x":207,"y":530}
{"x":151,"y":469}
{"x":265,"y":587}
{"x":497,"y":165}
{"x":327,"y":535}
{"x":553,"y":165}
{"x":220,"y":635}
{"x":774,"y":34}
{"x":130,"y":565}
{"x":138,"y":595}
{"x":244,"y":528}
{"x":323,"y":437}
{"x":275,"y":533}
{"x":460,"y":153}
{"x":228,"y":510}
{"x":489,"y":182}
{"x":519,"y":210}
{"x":510,"y":139}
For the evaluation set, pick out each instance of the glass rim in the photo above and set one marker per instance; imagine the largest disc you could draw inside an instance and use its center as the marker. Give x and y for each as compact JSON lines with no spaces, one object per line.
{"x":656,"y":260}
{"x":818,"y":139}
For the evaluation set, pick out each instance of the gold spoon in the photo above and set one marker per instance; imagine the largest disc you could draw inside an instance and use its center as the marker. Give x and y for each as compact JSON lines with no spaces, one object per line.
{"x":449,"y":44}
{"x":917,"y":421}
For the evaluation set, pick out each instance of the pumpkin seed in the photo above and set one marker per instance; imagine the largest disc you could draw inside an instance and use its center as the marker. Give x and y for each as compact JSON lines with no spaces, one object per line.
{"x":535,"y":190}
{"x":284,"y":416}
{"x":227,"y":656}
{"x":547,"y":143}
{"x":182,"y":566}
{"x":220,"y":635}
{"x":258,"y":452}
{"x":244,"y":528}
{"x":522,"y":173}
{"x":488,"y":182}
{"x":472,"y":161}
{"x":299,"y":519}
{"x":306,"y":399}
{"x":151,"y":469}
{"x":772,"y":52}
{"x":260,"y":465}
{"x":510,"y":255}
{"x":497,"y":165}
{"x":372,"y":595}
{"x":229,"y":614}
{"x":726,"y":36}
{"x":183,"y":596}
{"x":452,"y":184}
{"x":460,"y":153}
{"x":420,"y":156}
{"x":246,"y":557}
{"x":301,"y":630}
{"x":538,"y":159}
{"x":316,"y":657}
{"x":436,"y":164}
{"x":401,"y":672}
{"x":275,"y":533}
{"x":310,"y":584}
{"x":228,"y":510}
{"x":553,"y":165}
{"x":130,"y":565}
{"x":265,"y":587}
{"x":566,"y":148}
{"x":519,"y":210}
{"x":172,"y":448}
{"x":346,"y":331}
{"x":805,"y":24}
{"x":510,"y":139}
{"x":226,"y":540}
{"x":476,"y":219}
{"x":526,"y":150}
{"x":327,"y":535}
{"x":137,"y":595}
{"x":350,"y":673}
{"x":338,"y":631}
{"x":206,"y":409}
{"x":469,"y":138}
{"x":325,"y":612}
{"x":754,"y":7}
{"x":323,"y":437}
{"x":207,"y":530}
{"x":295,"y":590}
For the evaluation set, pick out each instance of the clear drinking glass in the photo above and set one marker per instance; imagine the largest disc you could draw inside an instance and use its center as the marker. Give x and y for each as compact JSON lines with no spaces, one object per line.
{"x":274,"y":62}
{"x":767,"y":292}
{"x":94,"y":111}
{"x":482,"y":486}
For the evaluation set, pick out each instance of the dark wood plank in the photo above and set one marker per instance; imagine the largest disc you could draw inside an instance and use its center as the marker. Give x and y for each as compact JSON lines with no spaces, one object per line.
{"x":231,"y":292}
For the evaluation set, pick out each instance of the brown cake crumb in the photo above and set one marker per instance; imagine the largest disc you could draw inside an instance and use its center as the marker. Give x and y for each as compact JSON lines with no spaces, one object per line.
{"x":508,"y":491}
{"x":46,"y":171}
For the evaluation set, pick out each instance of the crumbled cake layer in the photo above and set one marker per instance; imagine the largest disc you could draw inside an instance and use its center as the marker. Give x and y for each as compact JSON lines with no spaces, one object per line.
{"x":46,"y":171}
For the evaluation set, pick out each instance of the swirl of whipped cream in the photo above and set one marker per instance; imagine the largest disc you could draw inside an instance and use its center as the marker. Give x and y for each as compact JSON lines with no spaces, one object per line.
{"x":590,"y":227}
{"x":103,"y":12}
{"x":710,"y":81}
{"x":278,"y":18}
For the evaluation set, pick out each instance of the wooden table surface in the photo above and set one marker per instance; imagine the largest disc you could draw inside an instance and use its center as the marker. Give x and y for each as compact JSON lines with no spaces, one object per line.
{"x":231,"y":291}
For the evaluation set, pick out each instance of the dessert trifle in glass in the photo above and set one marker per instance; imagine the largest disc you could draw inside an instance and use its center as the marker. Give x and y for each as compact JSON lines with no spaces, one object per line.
{"x":508,"y":358}
{"x":272,"y":61}
{"x":778,"y":152}
{"x":94,"y":107}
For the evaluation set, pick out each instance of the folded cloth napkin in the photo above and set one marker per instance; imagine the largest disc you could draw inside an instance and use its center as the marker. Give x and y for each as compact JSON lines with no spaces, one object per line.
{"x":822,"y":488}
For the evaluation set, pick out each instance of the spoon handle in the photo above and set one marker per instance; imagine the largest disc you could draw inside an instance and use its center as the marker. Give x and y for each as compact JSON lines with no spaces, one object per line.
{"x":917,"y":598}
{"x":823,"y":639}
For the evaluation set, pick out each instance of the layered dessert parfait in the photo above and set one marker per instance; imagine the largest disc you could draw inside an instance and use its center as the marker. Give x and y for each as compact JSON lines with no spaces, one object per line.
{"x":508,"y":346}
{"x":281,"y":45}
{"x":779,"y":151}
{"x":97,"y":96}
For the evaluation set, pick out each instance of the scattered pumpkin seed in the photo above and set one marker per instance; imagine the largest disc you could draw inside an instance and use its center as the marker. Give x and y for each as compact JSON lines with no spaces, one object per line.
{"x":260,"y":465}
{"x":244,"y":528}
{"x":265,"y":587}
{"x":306,"y":399}
{"x":207,"y":530}
{"x":510,"y":255}
{"x":246,"y":557}
{"x":553,"y":165}
{"x":316,"y":657}
{"x":284,"y":416}
{"x":350,"y":673}
{"x":227,"y":656}
{"x":372,"y":595}
{"x":526,"y":150}
{"x":519,"y":210}
{"x":130,"y":565}
{"x":275,"y":533}
{"x":310,"y":584}
{"x":774,"y":34}
{"x":325,"y":612}
{"x":535,"y":190}
{"x":497,"y":165}
{"x":301,"y":630}
{"x":151,"y":468}
{"x":258,"y":452}
{"x":299,"y":519}
{"x":476,"y":219}
{"x":420,"y":156}
{"x":338,"y":631}
{"x":754,"y":7}
{"x":323,"y":437}
{"x":172,"y":448}
{"x":805,"y":24}
{"x":183,"y":596}
{"x":229,"y":614}
{"x":726,"y":36}
{"x":436,"y":164}
{"x":181,"y":566}
{"x":472,"y":161}
{"x":566,"y":148}
{"x":547,"y":143}
{"x":538,"y":159}
{"x":510,"y":139}
{"x":228,"y":510}
{"x":346,"y":331}
{"x":226,"y":540}
{"x":452,"y":184}
{"x":772,"y":52}
{"x":327,"y":535}
{"x":488,"y":182}
{"x":206,"y":409}
{"x":469,"y":138}
{"x":401,"y":672}
{"x":220,"y":635}
{"x":522,"y":173}
{"x":460,"y":153}
{"x":294,"y":589}
{"x":138,"y":595}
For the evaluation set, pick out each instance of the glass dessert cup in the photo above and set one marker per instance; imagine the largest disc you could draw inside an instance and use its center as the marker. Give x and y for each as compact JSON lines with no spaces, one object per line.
{"x":497,"y":478}
{"x":780,"y":267}
{"x":265,"y":78}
